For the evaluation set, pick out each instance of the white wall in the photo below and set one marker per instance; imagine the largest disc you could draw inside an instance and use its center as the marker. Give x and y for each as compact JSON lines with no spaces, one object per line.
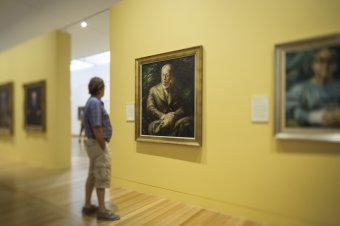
{"x":80,"y":94}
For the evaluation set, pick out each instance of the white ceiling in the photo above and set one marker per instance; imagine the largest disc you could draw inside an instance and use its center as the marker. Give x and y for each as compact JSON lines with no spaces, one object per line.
{"x":22,"y":20}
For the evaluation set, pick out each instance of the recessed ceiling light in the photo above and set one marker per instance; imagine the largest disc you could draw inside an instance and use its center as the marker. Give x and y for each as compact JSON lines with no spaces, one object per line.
{"x":83,"y":24}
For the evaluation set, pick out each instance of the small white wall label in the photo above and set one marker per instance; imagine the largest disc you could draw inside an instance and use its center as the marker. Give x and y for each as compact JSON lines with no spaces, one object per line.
{"x":130,"y":112}
{"x":259,"y":108}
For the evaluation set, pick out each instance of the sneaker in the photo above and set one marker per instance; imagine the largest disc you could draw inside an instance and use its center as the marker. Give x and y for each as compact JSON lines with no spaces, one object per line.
{"x":107,"y":216}
{"x":89,"y":210}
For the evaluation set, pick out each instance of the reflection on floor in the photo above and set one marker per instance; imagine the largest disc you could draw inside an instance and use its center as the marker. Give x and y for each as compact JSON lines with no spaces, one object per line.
{"x":34,"y":196}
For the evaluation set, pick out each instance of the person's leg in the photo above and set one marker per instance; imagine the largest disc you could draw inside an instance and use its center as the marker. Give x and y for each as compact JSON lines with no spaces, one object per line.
{"x":88,"y":208}
{"x":103,"y":213}
{"x":101,"y":199}
{"x":102,"y":174}
{"x":88,"y":193}
{"x":89,"y":185}
{"x":81,"y":132}
{"x":79,"y":137}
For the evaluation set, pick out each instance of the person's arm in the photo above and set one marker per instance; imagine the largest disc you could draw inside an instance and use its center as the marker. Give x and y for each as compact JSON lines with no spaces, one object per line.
{"x":299,"y":106}
{"x":295,"y":98}
{"x":99,"y":134}
{"x":150,"y":105}
{"x":178,"y":105}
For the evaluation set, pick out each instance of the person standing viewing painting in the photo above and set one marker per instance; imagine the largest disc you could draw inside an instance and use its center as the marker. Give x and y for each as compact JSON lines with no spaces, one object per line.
{"x":98,"y":130}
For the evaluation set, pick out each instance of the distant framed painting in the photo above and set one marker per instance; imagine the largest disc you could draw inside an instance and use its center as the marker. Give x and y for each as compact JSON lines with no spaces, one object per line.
{"x":168,"y":105}
{"x":6,"y":109}
{"x":307,"y":89}
{"x":81,"y":113}
{"x":35,"y":106}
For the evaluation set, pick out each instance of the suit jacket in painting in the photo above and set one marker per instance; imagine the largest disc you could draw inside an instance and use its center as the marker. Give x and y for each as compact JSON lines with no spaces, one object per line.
{"x":161,"y":101}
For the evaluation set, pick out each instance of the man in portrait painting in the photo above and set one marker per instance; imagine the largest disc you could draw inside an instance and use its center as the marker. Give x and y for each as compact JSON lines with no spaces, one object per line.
{"x":315,"y":101}
{"x":168,"y":111}
{"x":34,"y":108}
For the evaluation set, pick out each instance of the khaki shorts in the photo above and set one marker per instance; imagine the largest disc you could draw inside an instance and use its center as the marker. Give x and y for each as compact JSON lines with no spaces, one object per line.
{"x":100,"y":164}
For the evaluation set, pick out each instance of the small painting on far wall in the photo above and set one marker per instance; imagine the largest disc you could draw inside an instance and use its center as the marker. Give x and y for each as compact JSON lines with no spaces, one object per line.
{"x":35,"y":106}
{"x":6,"y":109}
{"x":81,"y":113}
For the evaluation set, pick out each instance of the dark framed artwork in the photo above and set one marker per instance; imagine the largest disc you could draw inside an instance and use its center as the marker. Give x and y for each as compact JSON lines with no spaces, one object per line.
{"x":81,"y":113}
{"x":6,"y":109}
{"x":307,"y":89}
{"x":168,"y":105}
{"x":35,"y":106}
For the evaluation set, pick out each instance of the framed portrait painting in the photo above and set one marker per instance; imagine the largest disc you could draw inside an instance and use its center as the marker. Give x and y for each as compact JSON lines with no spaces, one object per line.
{"x":307,"y":89}
{"x":35,"y":106}
{"x":168,"y":106}
{"x":6,"y":109}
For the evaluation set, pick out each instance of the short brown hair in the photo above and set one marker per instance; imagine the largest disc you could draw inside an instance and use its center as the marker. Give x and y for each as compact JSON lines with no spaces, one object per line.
{"x":95,"y":85}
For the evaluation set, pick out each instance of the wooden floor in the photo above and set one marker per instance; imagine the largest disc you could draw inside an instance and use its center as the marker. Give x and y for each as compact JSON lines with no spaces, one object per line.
{"x":33,"y":196}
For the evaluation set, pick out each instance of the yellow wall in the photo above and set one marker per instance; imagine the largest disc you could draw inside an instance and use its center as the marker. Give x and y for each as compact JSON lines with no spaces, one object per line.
{"x":240,"y":169}
{"x":46,"y":57}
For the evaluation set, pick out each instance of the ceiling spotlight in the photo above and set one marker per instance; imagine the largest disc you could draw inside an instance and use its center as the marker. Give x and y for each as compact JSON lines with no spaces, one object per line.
{"x":83,"y":24}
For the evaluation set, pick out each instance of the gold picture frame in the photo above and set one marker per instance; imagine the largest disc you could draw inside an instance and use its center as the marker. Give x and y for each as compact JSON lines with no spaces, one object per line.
{"x":7,"y":109}
{"x":35,"y":106}
{"x":168,"y":101}
{"x":307,"y":89}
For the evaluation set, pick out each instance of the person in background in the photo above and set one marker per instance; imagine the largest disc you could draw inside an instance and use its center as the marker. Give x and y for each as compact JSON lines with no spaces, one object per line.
{"x":82,"y":129}
{"x":98,"y":130}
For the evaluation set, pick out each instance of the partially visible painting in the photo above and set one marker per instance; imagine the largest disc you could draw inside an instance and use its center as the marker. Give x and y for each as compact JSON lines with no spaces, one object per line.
{"x":308,"y":89}
{"x":169,"y":97}
{"x":6,"y":109}
{"x":35,"y":106}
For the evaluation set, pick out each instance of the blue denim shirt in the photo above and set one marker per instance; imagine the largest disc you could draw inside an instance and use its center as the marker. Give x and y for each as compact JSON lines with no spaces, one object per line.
{"x":95,"y":115}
